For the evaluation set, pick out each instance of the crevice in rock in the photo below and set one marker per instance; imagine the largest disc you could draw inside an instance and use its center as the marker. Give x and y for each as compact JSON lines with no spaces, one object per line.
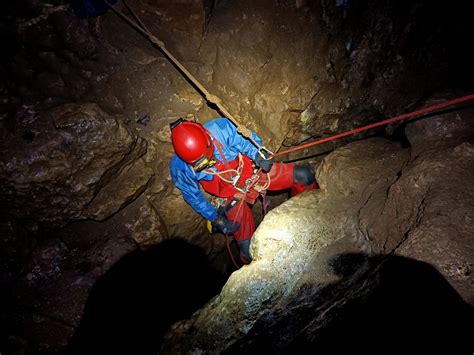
{"x":406,"y":235}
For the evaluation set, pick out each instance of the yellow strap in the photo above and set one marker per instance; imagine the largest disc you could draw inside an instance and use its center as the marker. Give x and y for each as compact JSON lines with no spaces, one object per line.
{"x":209,"y":226}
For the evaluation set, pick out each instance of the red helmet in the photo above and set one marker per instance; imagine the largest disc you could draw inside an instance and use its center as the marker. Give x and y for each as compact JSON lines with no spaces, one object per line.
{"x":191,"y":142}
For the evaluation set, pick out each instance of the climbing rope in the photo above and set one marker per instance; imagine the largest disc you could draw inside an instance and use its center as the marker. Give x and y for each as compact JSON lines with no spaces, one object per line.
{"x":229,"y":250}
{"x":381,"y":123}
{"x":140,"y":27}
{"x":221,"y":174}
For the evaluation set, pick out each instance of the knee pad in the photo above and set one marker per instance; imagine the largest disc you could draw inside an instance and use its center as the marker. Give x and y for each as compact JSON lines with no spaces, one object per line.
{"x":304,"y":175}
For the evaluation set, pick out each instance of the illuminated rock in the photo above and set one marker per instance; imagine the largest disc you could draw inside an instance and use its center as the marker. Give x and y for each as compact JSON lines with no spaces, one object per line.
{"x":289,"y":246}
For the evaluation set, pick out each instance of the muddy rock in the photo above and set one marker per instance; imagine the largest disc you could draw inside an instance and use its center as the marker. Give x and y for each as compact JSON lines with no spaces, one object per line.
{"x":181,"y":219}
{"x":67,"y":164}
{"x":126,"y":185}
{"x":379,"y":295}
{"x":146,"y":226}
{"x":427,"y":212}
{"x":440,"y":132}
{"x":266,"y":97}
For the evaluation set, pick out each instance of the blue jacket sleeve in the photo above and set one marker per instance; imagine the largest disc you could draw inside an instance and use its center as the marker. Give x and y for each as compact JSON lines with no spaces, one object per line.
{"x":185,"y":181}
{"x":238,"y":141}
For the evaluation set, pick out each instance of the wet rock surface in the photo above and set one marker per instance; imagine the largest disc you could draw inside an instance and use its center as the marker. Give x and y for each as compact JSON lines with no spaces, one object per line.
{"x":387,"y":297}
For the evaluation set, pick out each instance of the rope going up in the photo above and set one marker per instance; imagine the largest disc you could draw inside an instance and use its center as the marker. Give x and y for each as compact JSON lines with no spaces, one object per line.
{"x":381,"y":123}
{"x":140,"y":27}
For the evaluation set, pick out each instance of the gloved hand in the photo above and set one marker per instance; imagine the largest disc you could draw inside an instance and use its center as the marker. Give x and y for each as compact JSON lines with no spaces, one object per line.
{"x":264,"y":163}
{"x":222,"y":224}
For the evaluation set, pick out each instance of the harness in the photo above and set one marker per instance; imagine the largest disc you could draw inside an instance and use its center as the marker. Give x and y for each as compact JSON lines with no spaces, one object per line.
{"x":237,"y":179}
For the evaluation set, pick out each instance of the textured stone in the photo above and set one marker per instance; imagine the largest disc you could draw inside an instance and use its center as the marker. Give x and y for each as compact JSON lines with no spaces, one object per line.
{"x":125,"y":186}
{"x":440,"y":131}
{"x":182,"y":220}
{"x":145,"y":224}
{"x":58,"y":273}
{"x":426,"y":214}
{"x":63,"y":173}
{"x":378,"y":295}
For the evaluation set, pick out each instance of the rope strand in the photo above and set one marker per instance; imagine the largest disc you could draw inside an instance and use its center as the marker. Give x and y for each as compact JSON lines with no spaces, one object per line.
{"x":187,"y":74}
{"x":381,"y":123}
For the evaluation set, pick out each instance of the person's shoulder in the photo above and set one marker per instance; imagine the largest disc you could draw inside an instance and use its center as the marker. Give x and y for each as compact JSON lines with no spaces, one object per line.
{"x":177,"y":163}
{"x":217,"y":122}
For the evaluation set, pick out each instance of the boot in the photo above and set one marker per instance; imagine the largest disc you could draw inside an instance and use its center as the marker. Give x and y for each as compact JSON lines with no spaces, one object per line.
{"x":303,"y":179}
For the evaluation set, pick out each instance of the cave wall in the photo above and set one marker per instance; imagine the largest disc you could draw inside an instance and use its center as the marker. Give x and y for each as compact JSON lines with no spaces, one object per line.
{"x":288,"y":70}
{"x":85,"y":106}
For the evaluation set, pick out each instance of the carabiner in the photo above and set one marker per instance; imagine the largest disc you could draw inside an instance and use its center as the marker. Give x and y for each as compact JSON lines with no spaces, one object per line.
{"x":263,"y":148}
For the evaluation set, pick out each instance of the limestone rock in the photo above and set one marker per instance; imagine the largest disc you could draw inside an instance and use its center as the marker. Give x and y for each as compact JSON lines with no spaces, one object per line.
{"x":145,"y":224}
{"x":59,"y":273}
{"x":129,"y":183}
{"x":182,"y":220}
{"x":440,"y":131}
{"x":76,"y":158}
{"x":427,"y":212}
{"x":378,"y":295}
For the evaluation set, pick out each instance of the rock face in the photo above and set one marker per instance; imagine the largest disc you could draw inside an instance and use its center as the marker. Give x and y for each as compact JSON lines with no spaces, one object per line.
{"x":85,"y":107}
{"x":295,"y":70}
{"x":375,"y":199}
{"x":73,"y":163}
{"x":288,"y":70}
{"x":425,"y":214}
{"x":387,"y":297}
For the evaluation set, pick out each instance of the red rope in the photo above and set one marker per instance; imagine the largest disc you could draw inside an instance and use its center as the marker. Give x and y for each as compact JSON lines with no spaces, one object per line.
{"x":229,"y":250}
{"x":381,"y":123}
{"x":227,"y":237}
